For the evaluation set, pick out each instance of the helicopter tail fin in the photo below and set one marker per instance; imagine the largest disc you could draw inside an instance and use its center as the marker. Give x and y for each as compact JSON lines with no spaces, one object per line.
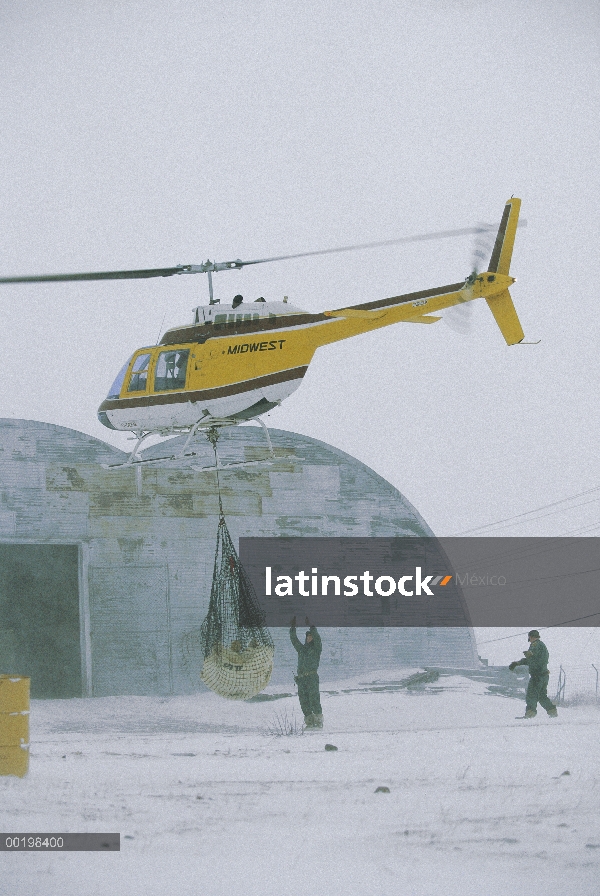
{"x":501,"y":305}
{"x":506,"y":317}
{"x":505,"y":240}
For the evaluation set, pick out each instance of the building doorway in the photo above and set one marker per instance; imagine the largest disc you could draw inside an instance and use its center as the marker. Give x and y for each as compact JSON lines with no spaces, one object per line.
{"x":39,"y":617}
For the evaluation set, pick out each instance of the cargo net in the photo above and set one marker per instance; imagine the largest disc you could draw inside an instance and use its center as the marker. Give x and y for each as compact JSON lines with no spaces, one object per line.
{"x":236,"y":648}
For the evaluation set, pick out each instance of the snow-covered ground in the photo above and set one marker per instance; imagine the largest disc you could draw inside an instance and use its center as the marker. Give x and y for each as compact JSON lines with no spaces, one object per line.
{"x":208,"y":800}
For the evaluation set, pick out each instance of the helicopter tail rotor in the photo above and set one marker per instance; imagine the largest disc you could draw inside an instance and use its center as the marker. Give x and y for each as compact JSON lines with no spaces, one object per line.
{"x":460,"y":317}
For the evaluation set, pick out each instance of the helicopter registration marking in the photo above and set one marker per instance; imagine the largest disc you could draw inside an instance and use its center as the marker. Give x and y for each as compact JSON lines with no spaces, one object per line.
{"x":244,"y":347}
{"x":419,"y":302}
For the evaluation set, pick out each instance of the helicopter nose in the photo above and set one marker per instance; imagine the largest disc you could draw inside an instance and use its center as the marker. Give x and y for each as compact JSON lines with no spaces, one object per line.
{"x":103,"y":418}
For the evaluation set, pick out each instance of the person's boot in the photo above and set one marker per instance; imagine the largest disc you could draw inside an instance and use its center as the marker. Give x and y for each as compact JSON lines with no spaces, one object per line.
{"x":530,"y":713}
{"x":309,"y":720}
{"x":318,"y":717}
{"x":552,"y":712}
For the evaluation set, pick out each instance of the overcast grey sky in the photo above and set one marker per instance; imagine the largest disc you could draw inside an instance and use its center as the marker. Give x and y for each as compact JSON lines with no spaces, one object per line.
{"x":143,"y":134}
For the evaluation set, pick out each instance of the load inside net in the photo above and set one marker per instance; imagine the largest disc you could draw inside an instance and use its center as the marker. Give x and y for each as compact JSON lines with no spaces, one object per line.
{"x":233,"y":643}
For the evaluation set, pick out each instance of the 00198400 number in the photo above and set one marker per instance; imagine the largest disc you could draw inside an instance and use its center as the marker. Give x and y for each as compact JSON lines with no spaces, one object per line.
{"x":34,"y":843}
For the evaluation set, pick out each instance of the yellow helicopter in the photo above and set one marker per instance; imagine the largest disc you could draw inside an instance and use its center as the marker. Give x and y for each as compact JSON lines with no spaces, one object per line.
{"x":235,"y":362}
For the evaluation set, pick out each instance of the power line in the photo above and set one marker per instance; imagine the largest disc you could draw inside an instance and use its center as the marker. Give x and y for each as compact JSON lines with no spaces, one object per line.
{"x":535,"y":510}
{"x":534,"y":519}
{"x":591,"y":528}
{"x":530,"y":546}
{"x":544,"y":628}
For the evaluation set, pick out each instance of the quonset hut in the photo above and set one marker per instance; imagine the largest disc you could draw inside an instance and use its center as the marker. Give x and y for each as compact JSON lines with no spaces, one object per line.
{"x":102,"y":572}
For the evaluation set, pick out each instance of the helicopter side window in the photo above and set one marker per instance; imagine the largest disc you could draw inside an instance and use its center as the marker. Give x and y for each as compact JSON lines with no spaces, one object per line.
{"x":170,"y":370}
{"x":139,"y":374}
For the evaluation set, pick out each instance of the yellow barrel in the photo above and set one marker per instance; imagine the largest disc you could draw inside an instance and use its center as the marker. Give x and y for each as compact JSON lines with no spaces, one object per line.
{"x":14,"y":725}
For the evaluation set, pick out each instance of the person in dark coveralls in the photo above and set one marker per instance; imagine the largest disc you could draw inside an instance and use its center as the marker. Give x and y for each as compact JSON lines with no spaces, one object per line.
{"x":307,"y":677}
{"x":536,"y":658}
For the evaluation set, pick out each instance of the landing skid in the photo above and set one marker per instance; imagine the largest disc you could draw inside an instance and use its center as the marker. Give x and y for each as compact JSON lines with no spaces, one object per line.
{"x":135,"y":461}
{"x":211,"y":429}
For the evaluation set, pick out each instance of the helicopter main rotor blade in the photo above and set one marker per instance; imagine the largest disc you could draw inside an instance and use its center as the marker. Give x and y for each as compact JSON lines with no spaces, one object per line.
{"x":421,"y":237}
{"x":105,"y":275}
{"x":209,"y":266}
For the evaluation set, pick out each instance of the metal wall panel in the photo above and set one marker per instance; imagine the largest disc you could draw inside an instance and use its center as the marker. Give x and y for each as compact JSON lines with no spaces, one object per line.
{"x":129,"y":608}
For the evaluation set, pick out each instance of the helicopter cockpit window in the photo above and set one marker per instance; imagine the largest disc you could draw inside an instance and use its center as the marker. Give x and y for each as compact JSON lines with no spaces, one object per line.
{"x":139,"y":374}
{"x":115,"y":389}
{"x":170,"y":370}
